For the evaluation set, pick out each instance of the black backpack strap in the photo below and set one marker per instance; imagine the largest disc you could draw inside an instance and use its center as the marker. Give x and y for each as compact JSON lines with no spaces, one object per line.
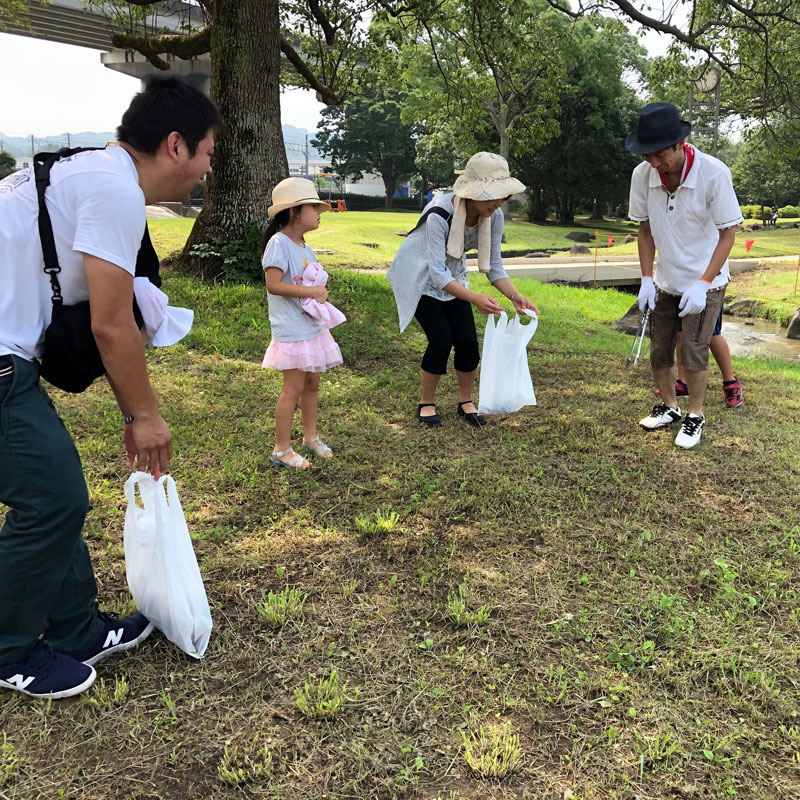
{"x":439,"y":211}
{"x":42,"y":164}
{"x":146,"y":259}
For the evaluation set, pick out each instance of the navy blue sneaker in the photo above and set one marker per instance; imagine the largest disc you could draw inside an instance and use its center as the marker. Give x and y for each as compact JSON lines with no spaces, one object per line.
{"x":119,"y":634}
{"x":42,"y":672}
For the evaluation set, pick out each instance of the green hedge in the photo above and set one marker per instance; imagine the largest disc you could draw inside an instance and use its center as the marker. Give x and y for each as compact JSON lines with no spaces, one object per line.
{"x":367,"y":202}
{"x":754,"y":212}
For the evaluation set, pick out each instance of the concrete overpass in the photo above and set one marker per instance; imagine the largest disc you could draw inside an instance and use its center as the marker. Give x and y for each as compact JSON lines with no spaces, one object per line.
{"x":68,"y":22}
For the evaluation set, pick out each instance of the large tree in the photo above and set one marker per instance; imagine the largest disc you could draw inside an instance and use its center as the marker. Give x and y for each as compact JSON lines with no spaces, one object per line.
{"x":492,"y":64}
{"x":366,"y":134}
{"x":755,"y":43}
{"x":254,"y":47}
{"x":765,"y":172}
{"x":586,"y":160}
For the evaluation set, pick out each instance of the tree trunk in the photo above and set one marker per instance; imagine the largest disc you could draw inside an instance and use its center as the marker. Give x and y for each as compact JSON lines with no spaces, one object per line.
{"x":390,"y":184}
{"x":597,"y":212}
{"x":537,"y":204}
{"x":249,"y":155}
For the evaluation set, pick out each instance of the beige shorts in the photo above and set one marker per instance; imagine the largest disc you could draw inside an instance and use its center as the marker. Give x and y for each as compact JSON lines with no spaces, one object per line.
{"x":696,"y":331}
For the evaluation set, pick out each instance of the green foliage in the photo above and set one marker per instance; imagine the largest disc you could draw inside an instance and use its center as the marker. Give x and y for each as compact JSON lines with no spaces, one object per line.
{"x":369,"y":525}
{"x":586,"y":160}
{"x":323,"y":699}
{"x":9,"y":761}
{"x":477,"y":74}
{"x":279,"y":608}
{"x":241,"y":258}
{"x":12,"y":13}
{"x":367,"y":134}
{"x":492,"y":751}
{"x":789,"y":212}
{"x":766,"y":169}
{"x":7,"y":164}
{"x":459,"y":611}
{"x":752,"y":211}
{"x":238,"y":767}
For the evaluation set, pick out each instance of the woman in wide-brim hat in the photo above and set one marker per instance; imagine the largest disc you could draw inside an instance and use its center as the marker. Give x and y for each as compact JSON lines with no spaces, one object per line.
{"x":429,"y":278}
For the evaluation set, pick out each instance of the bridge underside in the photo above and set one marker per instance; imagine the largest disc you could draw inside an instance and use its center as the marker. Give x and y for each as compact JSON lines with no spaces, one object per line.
{"x":68,"y":22}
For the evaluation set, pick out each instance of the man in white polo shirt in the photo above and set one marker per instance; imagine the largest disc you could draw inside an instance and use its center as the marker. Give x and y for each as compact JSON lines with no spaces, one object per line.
{"x":685,"y":205}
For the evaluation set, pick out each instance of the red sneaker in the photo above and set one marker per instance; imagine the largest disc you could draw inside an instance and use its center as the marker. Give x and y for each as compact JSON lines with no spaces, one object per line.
{"x":681,"y":390}
{"x":733,"y":393}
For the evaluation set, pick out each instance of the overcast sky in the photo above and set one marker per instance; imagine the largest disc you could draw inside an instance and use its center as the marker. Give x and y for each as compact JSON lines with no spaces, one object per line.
{"x":51,"y":88}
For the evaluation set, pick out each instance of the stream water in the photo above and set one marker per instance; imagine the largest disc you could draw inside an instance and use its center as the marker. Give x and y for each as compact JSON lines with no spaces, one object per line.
{"x":764,"y":339}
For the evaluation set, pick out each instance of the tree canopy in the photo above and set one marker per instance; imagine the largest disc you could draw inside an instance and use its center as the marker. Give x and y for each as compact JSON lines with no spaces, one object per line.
{"x":366,"y":134}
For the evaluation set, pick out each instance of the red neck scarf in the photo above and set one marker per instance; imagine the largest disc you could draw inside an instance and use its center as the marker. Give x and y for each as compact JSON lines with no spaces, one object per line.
{"x":687,"y":165}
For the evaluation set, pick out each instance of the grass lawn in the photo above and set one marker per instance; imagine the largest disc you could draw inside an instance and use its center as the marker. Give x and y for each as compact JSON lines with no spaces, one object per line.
{"x":773,"y":286}
{"x":350,"y":236}
{"x":620,"y":616}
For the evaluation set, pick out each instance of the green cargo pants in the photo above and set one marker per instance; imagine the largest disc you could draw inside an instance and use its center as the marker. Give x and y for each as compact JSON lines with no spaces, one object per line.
{"x":47,"y":584}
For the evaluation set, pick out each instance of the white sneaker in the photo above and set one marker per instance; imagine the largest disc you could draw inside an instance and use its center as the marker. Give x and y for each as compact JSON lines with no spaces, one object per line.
{"x":691,"y":429}
{"x":661,"y":416}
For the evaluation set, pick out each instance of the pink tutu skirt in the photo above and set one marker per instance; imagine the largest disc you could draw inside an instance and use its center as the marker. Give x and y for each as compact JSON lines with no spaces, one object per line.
{"x":312,"y":355}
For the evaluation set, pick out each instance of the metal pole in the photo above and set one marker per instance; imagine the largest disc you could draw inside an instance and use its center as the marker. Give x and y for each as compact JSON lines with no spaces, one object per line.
{"x":596,"y":240}
{"x":33,"y":148}
{"x":307,"y":155}
{"x":716,"y":116}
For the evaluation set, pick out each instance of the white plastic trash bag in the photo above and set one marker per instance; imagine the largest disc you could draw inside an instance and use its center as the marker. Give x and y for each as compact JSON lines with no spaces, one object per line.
{"x":505,"y":384}
{"x":163,"y":575}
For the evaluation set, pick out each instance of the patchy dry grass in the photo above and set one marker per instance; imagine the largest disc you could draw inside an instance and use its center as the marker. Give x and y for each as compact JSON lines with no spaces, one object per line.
{"x":643,"y":634}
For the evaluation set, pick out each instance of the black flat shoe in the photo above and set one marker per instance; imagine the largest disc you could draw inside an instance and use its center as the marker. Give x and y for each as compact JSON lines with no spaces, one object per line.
{"x":432,"y":421}
{"x":474,"y":419}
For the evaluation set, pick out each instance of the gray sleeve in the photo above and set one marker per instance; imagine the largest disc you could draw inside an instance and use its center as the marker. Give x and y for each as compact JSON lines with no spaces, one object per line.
{"x":496,"y":271}
{"x":436,"y":231}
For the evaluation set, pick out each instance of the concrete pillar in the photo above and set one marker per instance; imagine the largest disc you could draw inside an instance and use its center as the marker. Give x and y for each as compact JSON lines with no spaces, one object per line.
{"x":196,"y":71}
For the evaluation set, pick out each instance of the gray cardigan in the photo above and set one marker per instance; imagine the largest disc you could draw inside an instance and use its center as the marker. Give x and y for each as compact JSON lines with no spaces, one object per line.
{"x":422,"y":266}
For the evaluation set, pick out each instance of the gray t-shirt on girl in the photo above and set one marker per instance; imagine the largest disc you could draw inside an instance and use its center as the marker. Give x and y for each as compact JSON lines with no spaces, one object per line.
{"x":287,"y":319}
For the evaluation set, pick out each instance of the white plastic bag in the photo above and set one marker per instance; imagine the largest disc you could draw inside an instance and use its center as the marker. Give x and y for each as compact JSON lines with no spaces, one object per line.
{"x":163,"y":575}
{"x":505,"y":384}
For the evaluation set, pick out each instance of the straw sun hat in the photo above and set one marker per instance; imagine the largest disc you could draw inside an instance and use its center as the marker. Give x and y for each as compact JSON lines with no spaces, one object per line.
{"x":292,"y":192}
{"x":486,"y":177}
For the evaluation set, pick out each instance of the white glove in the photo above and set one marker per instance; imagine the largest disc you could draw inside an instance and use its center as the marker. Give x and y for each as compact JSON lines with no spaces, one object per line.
{"x":693,"y":300}
{"x":647,"y":294}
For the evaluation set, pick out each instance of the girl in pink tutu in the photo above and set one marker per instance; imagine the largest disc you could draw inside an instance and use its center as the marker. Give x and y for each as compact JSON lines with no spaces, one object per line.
{"x":301,"y":346}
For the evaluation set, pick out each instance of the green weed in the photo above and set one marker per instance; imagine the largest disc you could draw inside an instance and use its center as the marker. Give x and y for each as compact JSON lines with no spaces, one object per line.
{"x":458,"y":608}
{"x":492,"y":751}
{"x":279,"y":608}
{"x":323,"y":699}
{"x":238,"y":767}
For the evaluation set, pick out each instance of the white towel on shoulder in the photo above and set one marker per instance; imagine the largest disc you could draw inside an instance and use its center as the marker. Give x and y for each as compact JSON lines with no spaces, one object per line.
{"x":455,"y":241}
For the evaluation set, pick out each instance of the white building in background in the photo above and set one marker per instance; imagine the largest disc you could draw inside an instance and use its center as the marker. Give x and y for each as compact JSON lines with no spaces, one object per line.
{"x":297,"y":166}
{"x":373,"y":186}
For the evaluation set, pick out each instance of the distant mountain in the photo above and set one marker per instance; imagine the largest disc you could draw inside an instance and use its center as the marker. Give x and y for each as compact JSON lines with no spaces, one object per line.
{"x":20,"y":146}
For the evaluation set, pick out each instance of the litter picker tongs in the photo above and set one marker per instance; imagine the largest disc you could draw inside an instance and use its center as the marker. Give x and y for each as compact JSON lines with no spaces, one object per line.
{"x":639,"y":338}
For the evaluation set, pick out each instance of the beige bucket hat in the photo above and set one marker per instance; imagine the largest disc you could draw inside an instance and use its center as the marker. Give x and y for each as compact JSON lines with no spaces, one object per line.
{"x":291,"y":192}
{"x":486,"y":177}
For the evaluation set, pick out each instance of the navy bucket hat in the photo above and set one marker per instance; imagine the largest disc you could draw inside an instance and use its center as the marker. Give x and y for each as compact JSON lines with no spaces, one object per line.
{"x":659,"y":126}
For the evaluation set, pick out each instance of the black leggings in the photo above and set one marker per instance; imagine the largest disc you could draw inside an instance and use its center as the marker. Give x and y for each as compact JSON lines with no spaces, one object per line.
{"x":448,"y":324}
